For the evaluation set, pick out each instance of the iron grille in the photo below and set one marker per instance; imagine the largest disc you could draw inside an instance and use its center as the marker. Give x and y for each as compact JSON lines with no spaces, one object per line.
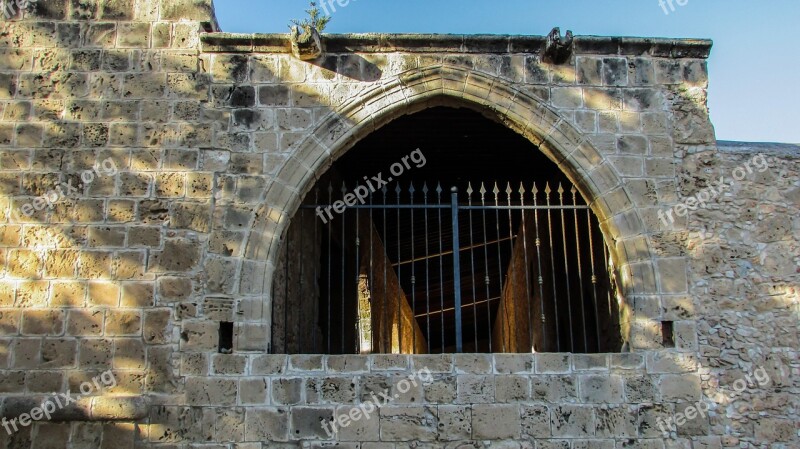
{"x":421,"y":269}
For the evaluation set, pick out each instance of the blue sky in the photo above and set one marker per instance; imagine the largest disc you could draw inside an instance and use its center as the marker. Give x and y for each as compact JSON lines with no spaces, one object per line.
{"x":754,"y":64}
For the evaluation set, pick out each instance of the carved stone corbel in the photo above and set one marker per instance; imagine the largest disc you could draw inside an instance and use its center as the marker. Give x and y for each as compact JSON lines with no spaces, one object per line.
{"x":558,"y":50}
{"x":306,"y":45}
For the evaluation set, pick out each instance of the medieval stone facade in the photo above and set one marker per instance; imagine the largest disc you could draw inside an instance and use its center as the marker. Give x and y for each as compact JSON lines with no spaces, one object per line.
{"x":182,"y":153}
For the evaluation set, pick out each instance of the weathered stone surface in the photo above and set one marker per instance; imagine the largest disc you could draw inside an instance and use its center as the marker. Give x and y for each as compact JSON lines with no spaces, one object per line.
{"x":408,"y":423}
{"x":136,"y":271}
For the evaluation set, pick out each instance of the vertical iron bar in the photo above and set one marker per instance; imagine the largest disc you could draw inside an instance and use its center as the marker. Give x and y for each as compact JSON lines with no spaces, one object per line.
{"x":427,"y":273}
{"x":441,"y":263}
{"x":539,"y":267}
{"x":330,"y":274}
{"x":356,"y":276}
{"x":413,"y":277}
{"x":399,"y":277}
{"x":299,"y":337}
{"x":547,"y":192}
{"x":344,"y":270}
{"x":456,"y":269}
{"x":527,"y":267}
{"x":487,"y":279}
{"x":496,"y":192}
{"x":580,"y":271}
{"x":594,"y":278}
{"x":371,"y":230}
{"x":386,"y":328}
{"x":509,"y":191}
{"x":472,"y":270}
{"x":605,"y":261}
{"x":566,"y":268}
{"x":286,"y":294}
{"x":316,"y":276}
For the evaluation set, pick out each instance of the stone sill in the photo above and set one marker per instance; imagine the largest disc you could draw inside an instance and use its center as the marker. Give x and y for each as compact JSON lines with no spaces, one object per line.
{"x":97,"y":408}
{"x":456,"y":43}
{"x":303,"y":365}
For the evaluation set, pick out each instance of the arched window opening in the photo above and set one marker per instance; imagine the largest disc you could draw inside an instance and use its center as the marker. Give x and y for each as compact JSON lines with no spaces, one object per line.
{"x":444,"y":232}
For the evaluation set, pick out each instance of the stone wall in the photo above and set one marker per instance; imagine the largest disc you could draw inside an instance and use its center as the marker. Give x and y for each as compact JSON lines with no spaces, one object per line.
{"x":215,"y":139}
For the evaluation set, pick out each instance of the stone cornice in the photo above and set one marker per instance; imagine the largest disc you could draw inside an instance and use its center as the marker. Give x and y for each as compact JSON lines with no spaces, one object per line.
{"x":456,"y":43}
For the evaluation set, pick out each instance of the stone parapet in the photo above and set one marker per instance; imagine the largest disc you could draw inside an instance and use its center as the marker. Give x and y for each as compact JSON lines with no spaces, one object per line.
{"x":452,"y":43}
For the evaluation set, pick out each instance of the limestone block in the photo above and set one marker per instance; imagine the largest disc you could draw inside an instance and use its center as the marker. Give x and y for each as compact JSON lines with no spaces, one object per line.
{"x":433,"y":363}
{"x":495,"y":422}
{"x":408,"y":423}
{"x":286,"y":391}
{"x":553,"y":363}
{"x":200,"y":336}
{"x":535,"y":421}
{"x":211,"y":391}
{"x":455,"y":422}
{"x":269,"y":423}
{"x":84,"y":323}
{"x":512,"y":388}
{"x":616,"y":422}
{"x":680,"y":387}
{"x":554,"y":389}
{"x":513,"y":363}
{"x":363,"y":423}
{"x":473,"y":363}
{"x":43,"y":322}
{"x":475,"y":389}
{"x":443,"y":390}
{"x":119,"y":323}
{"x":572,"y":421}
{"x":601,"y":388}
{"x":346,"y":364}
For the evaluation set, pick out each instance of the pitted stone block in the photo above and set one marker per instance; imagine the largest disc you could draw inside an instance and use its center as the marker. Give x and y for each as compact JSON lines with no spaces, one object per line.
{"x":535,"y":421}
{"x":495,"y":422}
{"x":600,"y":388}
{"x":475,"y":389}
{"x":473,"y":363}
{"x":572,"y":421}
{"x":408,"y":423}
{"x":553,"y":363}
{"x":513,"y":363}
{"x":455,"y":422}
{"x":286,"y":391}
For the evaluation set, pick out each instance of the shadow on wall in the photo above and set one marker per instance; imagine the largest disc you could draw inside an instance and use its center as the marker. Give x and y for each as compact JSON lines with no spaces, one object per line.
{"x":133,"y":272}
{"x":85,"y":290}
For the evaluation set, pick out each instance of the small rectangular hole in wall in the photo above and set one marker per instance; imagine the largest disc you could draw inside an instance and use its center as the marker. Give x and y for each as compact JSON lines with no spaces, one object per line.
{"x":668,"y":334}
{"x":225,"y":337}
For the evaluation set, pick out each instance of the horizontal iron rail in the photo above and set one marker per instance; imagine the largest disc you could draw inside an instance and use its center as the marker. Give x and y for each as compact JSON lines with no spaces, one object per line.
{"x":463,"y":306}
{"x":447,"y":206}
{"x":447,"y":253}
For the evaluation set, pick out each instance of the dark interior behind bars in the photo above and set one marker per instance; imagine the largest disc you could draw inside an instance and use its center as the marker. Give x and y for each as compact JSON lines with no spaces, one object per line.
{"x":515,"y":295}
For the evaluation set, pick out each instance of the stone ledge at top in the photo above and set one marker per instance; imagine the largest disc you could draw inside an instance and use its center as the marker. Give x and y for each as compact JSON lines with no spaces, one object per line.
{"x":201,"y":11}
{"x":786,"y":149}
{"x":459,"y":43}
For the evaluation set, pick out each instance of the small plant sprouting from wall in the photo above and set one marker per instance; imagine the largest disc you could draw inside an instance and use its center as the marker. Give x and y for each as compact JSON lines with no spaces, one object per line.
{"x":314,"y":20}
{"x":305,"y":35}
